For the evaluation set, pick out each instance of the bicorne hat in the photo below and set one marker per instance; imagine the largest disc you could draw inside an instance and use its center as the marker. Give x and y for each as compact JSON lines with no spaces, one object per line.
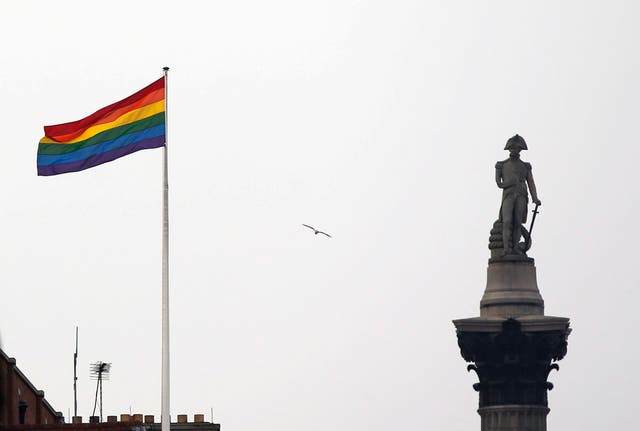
{"x":516,"y":141}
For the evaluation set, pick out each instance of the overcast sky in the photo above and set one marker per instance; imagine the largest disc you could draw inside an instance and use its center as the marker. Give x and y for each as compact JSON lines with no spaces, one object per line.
{"x":379,"y":122}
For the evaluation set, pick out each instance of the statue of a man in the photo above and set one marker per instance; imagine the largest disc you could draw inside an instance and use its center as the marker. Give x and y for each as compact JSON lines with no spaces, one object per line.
{"x":513,"y":176}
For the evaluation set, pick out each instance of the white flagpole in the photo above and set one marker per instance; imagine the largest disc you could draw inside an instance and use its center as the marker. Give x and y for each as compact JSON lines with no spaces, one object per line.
{"x":165,"y":267}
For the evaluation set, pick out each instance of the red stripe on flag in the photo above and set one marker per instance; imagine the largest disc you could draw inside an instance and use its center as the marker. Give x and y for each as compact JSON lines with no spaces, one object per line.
{"x":75,"y":128}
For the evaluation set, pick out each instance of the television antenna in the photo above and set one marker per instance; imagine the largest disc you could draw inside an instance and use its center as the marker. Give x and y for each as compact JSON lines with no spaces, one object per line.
{"x":99,"y":371}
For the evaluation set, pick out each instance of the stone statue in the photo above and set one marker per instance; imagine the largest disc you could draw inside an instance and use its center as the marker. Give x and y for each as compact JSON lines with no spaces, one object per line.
{"x":513,"y":176}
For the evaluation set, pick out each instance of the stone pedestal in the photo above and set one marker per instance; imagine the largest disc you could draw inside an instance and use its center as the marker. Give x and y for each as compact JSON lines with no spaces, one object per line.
{"x":512,"y":290}
{"x":512,"y":346}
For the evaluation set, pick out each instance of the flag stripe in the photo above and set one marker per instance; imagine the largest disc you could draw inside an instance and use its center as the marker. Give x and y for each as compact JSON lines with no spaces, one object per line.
{"x":132,"y":124}
{"x":127,"y":118}
{"x":152,"y":97}
{"x":79,"y":126}
{"x":107,"y":135}
{"x":99,"y":159}
{"x":84,"y":153}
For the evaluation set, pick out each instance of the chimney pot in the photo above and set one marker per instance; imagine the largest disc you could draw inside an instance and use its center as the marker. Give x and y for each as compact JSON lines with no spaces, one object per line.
{"x":76,"y":420}
{"x":112,"y":418}
{"x":198,"y":418}
{"x":94,"y":419}
{"x":125,"y":417}
{"x":148,"y":419}
{"x":182,"y":419}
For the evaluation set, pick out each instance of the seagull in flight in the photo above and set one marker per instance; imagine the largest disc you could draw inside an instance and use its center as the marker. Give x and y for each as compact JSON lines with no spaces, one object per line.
{"x":316,"y":231}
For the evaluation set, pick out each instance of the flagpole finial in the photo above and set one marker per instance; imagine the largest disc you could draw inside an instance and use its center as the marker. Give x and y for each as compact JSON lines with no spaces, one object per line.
{"x":165,"y":68}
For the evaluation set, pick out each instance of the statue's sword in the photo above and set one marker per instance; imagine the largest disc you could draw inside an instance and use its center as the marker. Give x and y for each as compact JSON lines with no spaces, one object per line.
{"x":533,"y":219}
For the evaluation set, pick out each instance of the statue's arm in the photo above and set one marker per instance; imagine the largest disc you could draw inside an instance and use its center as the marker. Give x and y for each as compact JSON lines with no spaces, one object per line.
{"x":532,"y":188}
{"x":499,"y":178}
{"x":499,"y":175}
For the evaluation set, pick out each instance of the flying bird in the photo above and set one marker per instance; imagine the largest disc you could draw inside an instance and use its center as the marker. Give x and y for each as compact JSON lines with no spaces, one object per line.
{"x":316,"y":231}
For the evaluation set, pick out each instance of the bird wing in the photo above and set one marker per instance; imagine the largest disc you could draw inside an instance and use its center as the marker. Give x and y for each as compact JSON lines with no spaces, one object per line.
{"x":310,"y":227}
{"x":324,"y":233}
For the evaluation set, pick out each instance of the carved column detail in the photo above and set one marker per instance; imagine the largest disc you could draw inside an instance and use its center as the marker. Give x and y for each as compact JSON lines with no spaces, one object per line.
{"x":512,"y":365}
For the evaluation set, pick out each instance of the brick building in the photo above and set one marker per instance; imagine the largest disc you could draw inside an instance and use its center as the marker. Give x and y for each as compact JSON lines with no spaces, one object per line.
{"x":24,"y":408}
{"x":20,"y":401}
{"x":124,"y":423}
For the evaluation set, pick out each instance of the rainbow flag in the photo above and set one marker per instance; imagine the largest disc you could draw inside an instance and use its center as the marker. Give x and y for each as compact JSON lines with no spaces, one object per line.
{"x":132,"y":124}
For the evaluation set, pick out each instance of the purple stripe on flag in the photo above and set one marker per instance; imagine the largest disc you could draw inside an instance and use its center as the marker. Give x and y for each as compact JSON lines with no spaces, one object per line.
{"x":99,"y":159}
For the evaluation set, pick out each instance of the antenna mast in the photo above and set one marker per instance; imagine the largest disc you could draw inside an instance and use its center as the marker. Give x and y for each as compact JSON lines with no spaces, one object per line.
{"x":99,"y":371}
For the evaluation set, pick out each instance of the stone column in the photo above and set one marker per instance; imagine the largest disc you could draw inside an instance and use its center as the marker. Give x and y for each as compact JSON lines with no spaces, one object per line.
{"x":512,"y":347}
{"x":513,"y":417}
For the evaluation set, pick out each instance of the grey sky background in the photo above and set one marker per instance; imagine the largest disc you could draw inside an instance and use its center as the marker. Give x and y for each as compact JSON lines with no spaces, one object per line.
{"x":379,"y":122}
